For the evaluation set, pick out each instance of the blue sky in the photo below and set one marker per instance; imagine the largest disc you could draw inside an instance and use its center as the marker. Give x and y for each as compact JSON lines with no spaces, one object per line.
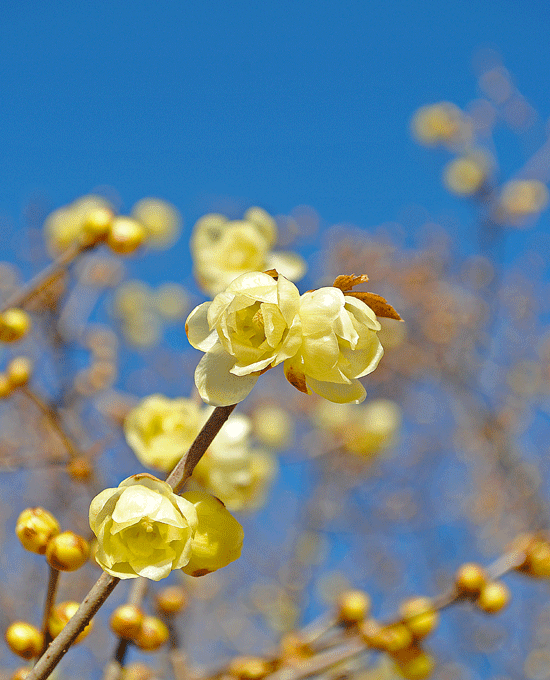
{"x":273,"y":103}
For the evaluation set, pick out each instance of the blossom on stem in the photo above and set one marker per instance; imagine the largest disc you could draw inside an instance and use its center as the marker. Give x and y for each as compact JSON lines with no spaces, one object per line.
{"x":143,"y":528}
{"x":326,"y":338}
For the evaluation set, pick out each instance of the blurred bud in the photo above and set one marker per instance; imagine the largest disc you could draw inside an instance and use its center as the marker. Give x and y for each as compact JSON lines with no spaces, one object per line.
{"x":392,"y":638}
{"x":414,"y":663}
{"x":218,"y":538}
{"x":273,"y":426}
{"x":419,"y":616}
{"x":61,"y":615}
{"x":138,"y":671}
{"x":442,"y":123}
{"x":470,"y":579}
{"x":67,"y":551}
{"x":126,"y":621}
{"x":466,"y":175}
{"x":19,"y":371}
{"x":35,"y":527}
{"x":24,"y":639}
{"x":294,"y":648}
{"x":80,"y":469}
{"x":171,"y":600}
{"x":162,"y":221}
{"x":493,"y":597}
{"x":249,"y":668}
{"x":21,"y":673}
{"x":152,"y":635}
{"x":125,"y":235}
{"x":96,"y":224}
{"x":520,"y":198}
{"x":537,"y":558}
{"x":14,"y":324}
{"x":353,"y":607}
{"x":6,"y":388}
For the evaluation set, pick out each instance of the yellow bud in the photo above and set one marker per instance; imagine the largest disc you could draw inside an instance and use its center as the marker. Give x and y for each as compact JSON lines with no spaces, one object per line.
{"x":442,"y":123}
{"x":466,"y":175}
{"x":126,"y":621}
{"x":537,"y":558}
{"x":161,"y":220}
{"x":24,"y":639}
{"x":96,"y":224}
{"x":14,"y":324}
{"x":218,"y":538}
{"x":80,"y":469}
{"x":419,"y":616}
{"x":392,"y":638}
{"x":125,"y":235}
{"x":61,"y":615}
{"x":353,"y":607}
{"x":35,"y":527}
{"x":138,"y":671}
{"x":19,"y":371}
{"x":249,"y":668}
{"x":470,"y":579}
{"x":67,"y":551}
{"x":21,"y":673}
{"x":523,"y":197}
{"x":152,"y":635}
{"x":6,"y":388}
{"x":294,"y":648}
{"x":414,"y":663}
{"x":493,"y":597}
{"x":171,"y":600}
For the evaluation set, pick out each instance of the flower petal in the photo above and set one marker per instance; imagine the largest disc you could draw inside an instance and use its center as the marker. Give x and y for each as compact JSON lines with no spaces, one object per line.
{"x":216,"y":385}
{"x":337,"y":392}
{"x":198,"y":330}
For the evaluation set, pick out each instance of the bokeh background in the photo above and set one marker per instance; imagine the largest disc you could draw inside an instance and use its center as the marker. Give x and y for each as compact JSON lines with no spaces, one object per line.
{"x":304,"y":109}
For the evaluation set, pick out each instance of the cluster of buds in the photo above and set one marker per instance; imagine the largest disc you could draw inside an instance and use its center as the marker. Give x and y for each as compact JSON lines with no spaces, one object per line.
{"x":224,"y":249}
{"x":130,"y":622}
{"x":473,"y":582}
{"x":39,"y":532}
{"x":92,"y":219}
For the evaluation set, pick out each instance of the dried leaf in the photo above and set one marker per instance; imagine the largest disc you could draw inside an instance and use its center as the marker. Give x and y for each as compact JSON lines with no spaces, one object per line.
{"x":378,"y":305}
{"x":346,"y":282}
{"x":273,"y":273}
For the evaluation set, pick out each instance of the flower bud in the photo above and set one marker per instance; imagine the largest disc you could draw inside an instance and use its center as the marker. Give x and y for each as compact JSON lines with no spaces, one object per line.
{"x":218,"y":538}
{"x":152,"y":635}
{"x":35,"y":527}
{"x":419,"y":616}
{"x":19,"y":371}
{"x":470,"y":579}
{"x":21,"y":673}
{"x":61,"y":615}
{"x":414,"y":663}
{"x":67,"y":551}
{"x":14,"y":324}
{"x":171,"y":600}
{"x":126,"y":621}
{"x":125,"y":235}
{"x":537,"y":558}
{"x":96,"y":224}
{"x":161,"y":220}
{"x":80,"y":469}
{"x":249,"y":668}
{"x":24,"y":639}
{"x":353,"y":607}
{"x":6,"y":388}
{"x":493,"y":597}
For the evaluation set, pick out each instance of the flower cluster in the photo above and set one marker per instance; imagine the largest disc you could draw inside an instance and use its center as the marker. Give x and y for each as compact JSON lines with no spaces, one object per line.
{"x":223,"y":249}
{"x":326,"y":338}
{"x":144,"y":529}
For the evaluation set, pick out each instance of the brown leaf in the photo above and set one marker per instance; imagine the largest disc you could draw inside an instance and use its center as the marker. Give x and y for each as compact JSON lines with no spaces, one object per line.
{"x":346,"y":282}
{"x":297,"y":379}
{"x":378,"y":305}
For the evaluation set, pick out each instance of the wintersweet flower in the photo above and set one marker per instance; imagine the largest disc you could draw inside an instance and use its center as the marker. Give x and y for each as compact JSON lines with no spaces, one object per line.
{"x":224,"y":249}
{"x":218,"y":538}
{"x":160,"y":430}
{"x":143,"y":528}
{"x":254,"y":324}
{"x":326,"y":338}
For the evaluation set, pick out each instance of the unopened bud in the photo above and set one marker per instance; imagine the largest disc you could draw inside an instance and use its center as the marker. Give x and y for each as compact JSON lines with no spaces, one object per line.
{"x":126,"y":621}
{"x":493,"y":597}
{"x":35,"y":527}
{"x":61,"y":615}
{"x":353,"y":607}
{"x":24,"y":639}
{"x":470,"y":579}
{"x":19,"y":371}
{"x":125,"y":235}
{"x":171,"y":600}
{"x":67,"y":551}
{"x":419,"y":616}
{"x":14,"y":324}
{"x":152,"y":635}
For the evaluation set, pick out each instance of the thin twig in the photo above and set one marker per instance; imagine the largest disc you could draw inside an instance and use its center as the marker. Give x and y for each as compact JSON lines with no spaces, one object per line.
{"x":53,"y":580}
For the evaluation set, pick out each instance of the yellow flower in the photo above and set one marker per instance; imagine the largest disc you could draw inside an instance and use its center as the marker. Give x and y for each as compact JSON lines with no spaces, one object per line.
{"x":326,"y":339}
{"x":339,"y":345}
{"x":224,"y":249}
{"x":143,"y":528}
{"x":234,"y":472}
{"x":251,"y":326}
{"x":523,"y":197}
{"x":218,"y":538}
{"x":442,"y":123}
{"x":67,"y":225}
{"x":160,"y":430}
